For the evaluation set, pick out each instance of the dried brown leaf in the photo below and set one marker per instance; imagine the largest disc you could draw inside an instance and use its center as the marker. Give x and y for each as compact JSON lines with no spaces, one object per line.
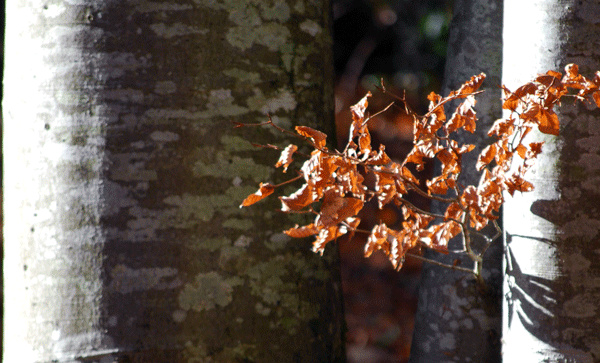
{"x":502,"y":127}
{"x":385,"y":188}
{"x":304,"y":196}
{"x":379,"y":158}
{"x":301,"y":232}
{"x":521,"y":150}
{"x":486,"y":156}
{"x":548,"y":122}
{"x":441,"y":234}
{"x":285,"y":159}
{"x":336,"y":208}
{"x":265,"y":189}
{"x":468,"y":87}
{"x":515,"y":183}
{"x":358,"y":110}
{"x":330,"y":233}
{"x":318,"y":137}
{"x":596,"y":97}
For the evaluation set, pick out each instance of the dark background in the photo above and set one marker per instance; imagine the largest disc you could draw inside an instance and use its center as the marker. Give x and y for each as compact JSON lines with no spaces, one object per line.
{"x":403,"y":42}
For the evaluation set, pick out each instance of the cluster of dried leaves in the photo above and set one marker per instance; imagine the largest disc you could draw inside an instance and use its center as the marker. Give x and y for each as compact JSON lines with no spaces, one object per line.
{"x":337,"y":179}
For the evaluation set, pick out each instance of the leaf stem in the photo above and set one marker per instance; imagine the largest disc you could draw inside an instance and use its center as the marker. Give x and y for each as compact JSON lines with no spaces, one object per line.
{"x":434,"y":262}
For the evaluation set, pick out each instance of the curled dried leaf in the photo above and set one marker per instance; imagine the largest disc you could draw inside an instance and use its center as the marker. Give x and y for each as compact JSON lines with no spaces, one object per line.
{"x":441,"y":234}
{"x":464,"y":116}
{"x":335,"y":208}
{"x":469,"y":87}
{"x":502,"y":127}
{"x":521,"y":150}
{"x":486,"y":156}
{"x":304,"y":196}
{"x":378,"y":158}
{"x":385,"y":188}
{"x":285,"y":159}
{"x":358,"y":110}
{"x":391,"y":242}
{"x":378,"y":239}
{"x":548,"y":122}
{"x":596,"y":97}
{"x":264,"y":191}
{"x":327,"y":234}
{"x":440,"y":184}
{"x":301,"y":232}
{"x":318,"y":137}
{"x":454,"y":211}
{"x":516,"y":183}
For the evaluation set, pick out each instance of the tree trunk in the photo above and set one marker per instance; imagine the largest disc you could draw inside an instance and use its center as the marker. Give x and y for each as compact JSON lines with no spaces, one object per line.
{"x":455,"y":322}
{"x":552,"y":281}
{"x":123,"y":176}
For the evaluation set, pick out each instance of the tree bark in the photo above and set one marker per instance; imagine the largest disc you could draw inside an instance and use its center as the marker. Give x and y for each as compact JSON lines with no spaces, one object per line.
{"x":123,"y":176}
{"x":552,"y":277}
{"x":455,"y":321}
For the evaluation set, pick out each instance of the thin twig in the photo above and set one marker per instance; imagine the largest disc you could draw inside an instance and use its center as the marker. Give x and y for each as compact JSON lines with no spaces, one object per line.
{"x":289,"y":181}
{"x":434,"y":262}
{"x":377,"y":113}
{"x":491,"y":240}
{"x":449,"y":99}
{"x":422,"y":193}
{"x":282,"y":129}
{"x":417,"y":209}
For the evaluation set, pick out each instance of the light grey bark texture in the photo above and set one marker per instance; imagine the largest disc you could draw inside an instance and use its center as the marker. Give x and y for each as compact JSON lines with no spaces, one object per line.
{"x":455,"y":321}
{"x":552,"y":235}
{"x":123,"y":175}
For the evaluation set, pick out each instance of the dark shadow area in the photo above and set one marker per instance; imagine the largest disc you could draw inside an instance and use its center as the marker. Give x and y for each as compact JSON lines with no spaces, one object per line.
{"x":403,"y":43}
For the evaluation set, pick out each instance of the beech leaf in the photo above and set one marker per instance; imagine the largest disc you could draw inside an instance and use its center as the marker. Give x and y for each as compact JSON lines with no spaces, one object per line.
{"x":548,"y":122}
{"x":596,"y":96}
{"x":318,"y":137}
{"x":300,"y":199}
{"x":469,"y":87}
{"x":301,"y":232}
{"x":285,"y":159}
{"x":265,"y":189}
{"x":336,"y":208}
{"x":358,"y":110}
{"x":486,"y":156}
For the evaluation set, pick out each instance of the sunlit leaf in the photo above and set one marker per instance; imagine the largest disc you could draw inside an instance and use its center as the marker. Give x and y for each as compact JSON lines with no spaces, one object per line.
{"x":336,"y":208}
{"x":301,"y":232}
{"x":285,"y":159}
{"x":300,"y":199}
{"x":318,"y":137}
{"x":596,"y":97}
{"x":469,"y":87}
{"x":265,"y":189}
{"x":486,"y":156}
{"x":502,"y":127}
{"x":358,"y":110}
{"x":379,"y":158}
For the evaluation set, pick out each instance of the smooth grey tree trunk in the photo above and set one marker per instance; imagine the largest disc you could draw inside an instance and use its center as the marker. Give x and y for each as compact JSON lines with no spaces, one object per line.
{"x":455,"y":321}
{"x":123,"y":175}
{"x":552,"y":235}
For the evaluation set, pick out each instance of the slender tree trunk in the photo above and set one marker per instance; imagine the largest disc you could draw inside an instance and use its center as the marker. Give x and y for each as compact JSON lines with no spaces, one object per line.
{"x":123,"y":176}
{"x":552,"y":235}
{"x":455,"y":322}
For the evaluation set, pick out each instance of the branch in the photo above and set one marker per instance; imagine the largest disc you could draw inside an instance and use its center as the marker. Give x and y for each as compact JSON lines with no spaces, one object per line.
{"x":434,"y":262}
